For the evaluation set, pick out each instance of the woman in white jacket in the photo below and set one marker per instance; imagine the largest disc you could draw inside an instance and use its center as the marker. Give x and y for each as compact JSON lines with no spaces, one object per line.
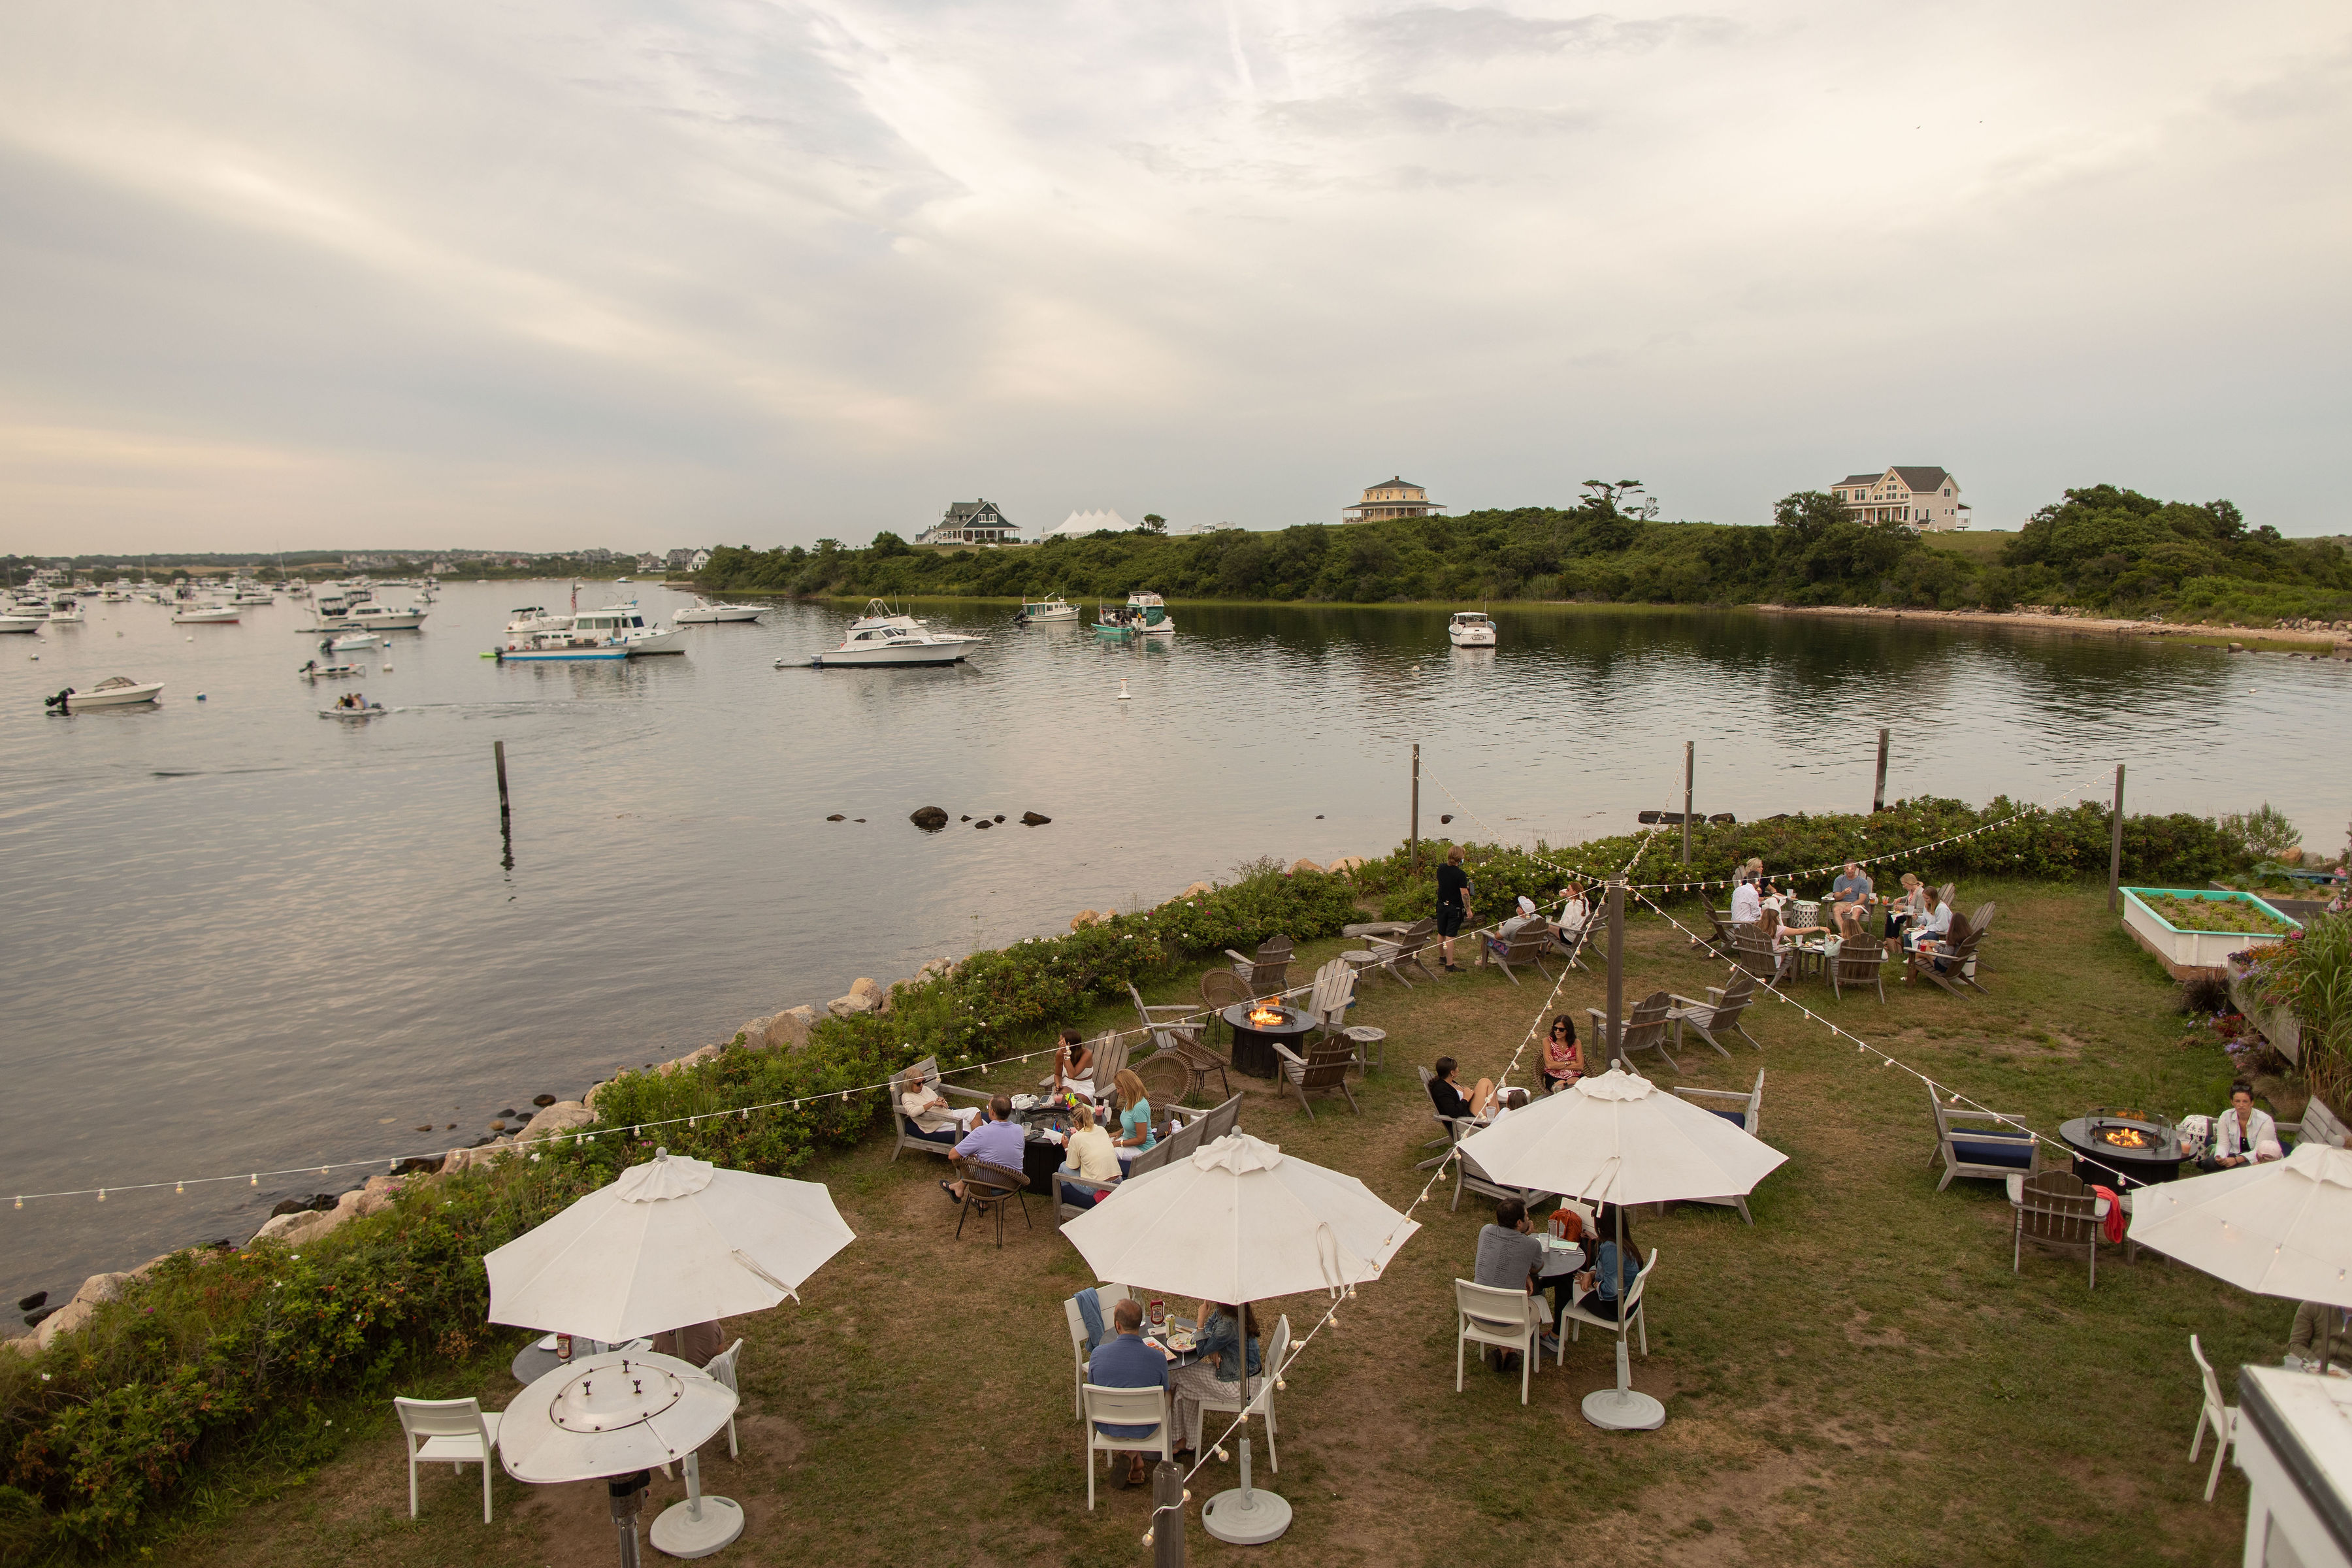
{"x":2242,"y":1130}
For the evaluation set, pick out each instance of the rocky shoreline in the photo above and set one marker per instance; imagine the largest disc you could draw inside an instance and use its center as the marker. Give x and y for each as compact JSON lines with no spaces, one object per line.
{"x":2298,"y":634}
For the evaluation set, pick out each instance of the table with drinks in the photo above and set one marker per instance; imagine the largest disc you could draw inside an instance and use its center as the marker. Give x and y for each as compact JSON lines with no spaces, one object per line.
{"x":544,"y":1354}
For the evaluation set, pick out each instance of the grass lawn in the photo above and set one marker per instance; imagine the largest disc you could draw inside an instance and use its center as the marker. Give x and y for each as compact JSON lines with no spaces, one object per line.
{"x":1858,"y":1379}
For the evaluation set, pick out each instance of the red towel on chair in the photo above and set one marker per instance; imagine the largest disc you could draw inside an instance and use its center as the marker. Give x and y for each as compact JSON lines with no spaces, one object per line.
{"x":2114,"y":1220}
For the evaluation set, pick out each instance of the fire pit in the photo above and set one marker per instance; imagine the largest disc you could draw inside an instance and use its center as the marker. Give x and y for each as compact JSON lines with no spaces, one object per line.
{"x":2117,"y":1148}
{"x":1257,"y":1027}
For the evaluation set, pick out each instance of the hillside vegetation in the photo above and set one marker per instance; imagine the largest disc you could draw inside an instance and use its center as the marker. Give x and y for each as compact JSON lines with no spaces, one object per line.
{"x":2103,"y":549}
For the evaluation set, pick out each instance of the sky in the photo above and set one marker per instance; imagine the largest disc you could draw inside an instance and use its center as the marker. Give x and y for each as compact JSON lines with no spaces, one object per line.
{"x":535,"y":276}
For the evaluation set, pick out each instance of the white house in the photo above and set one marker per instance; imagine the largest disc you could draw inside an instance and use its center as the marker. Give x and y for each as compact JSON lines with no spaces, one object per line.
{"x":1393,"y":497}
{"x":1078,"y":524}
{"x":1926,"y":499}
{"x":971,"y":522}
{"x":697,"y":561}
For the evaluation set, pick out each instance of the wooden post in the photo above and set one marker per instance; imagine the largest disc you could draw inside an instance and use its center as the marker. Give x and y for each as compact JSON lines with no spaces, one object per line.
{"x":506,"y":823}
{"x":1616,"y":969}
{"x":1167,"y":1515}
{"x":2115,"y":848}
{"x":1416,"y":808}
{"x":1690,"y":768}
{"x":1878,"y":792}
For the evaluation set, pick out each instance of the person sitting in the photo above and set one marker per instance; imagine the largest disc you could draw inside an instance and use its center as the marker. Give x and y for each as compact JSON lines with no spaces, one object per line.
{"x":1090,"y":1157}
{"x":930,"y":1111}
{"x":1074,"y":1067}
{"x":1134,"y":1112}
{"x":1574,"y":913}
{"x":2321,"y":1334}
{"x":1785,"y":938}
{"x":1447,"y":1095}
{"x":1853,"y":886}
{"x":1930,"y":932}
{"x":695,"y":1345}
{"x":996,"y":1142}
{"x":1129,"y":1360}
{"x":1563,"y":1059}
{"x":2242,"y":1130}
{"x":1746,"y":903}
{"x":1509,"y":1259}
{"x":1905,"y":910}
{"x":1614,"y":1268}
{"x":1500,"y":941}
{"x":1229,"y":1365}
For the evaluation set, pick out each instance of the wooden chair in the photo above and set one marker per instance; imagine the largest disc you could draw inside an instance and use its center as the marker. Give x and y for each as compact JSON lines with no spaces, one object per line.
{"x":1220,"y":989}
{"x":453,"y":1432}
{"x":1981,"y":1143}
{"x":1858,"y":964}
{"x":1334,"y":994}
{"x":2056,"y":1211}
{"x":1224,"y":1118}
{"x":1646,"y":1030}
{"x":1110,"y":1051}
{"x":1151,"y":1159}
{"x":1166,"y":1023}
{"x":1720,"y":928}
{"x":1166,"y":1080}
{"x":1502,"y":1318}
{"x":1404,"y":953}
{"x":912,"y":1137}
{"x":1754,"y":952}
{"x":1721,"y":1010}
{"x":1144,"y":1408}
{"x":1324,"y":1070}
{"x":1445,"y":1139}
{"x":1530,"y":944}
{"x":2220,"y":1416}
{"x":1268,"y":971}
{"x":1953,"y":965}
{"x":1745,"y":1111}
{"x":988,"y":1188}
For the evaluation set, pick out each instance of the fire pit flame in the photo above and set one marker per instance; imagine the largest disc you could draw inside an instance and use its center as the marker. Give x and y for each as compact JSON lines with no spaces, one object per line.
{"x":1269,"y":1013}
{"x":2126,"y":1138}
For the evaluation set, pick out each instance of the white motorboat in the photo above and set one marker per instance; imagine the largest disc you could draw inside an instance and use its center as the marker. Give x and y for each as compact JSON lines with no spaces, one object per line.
{"x":195,"y":613}
{"x":532,"y":619}
{"x":66,"y":612}
{"x":880,"y":636}
{"x":1148,"y":614}
{"x":359,"y":709}
{"x":114,"y":691}
{"x":314,"y":671}
{"x":708,"y":612}
{"x":562,"y":647}
{"x":372,"y":616}
{"x":250,"y":593}
{"x":626,"y":624}
{"x":357,"y":639}
{"x":1470,"y":628}
{"x":1052,"y":607}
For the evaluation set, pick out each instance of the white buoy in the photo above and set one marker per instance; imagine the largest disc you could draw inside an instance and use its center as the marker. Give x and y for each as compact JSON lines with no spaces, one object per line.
{"x":191,"y":639}
{"x":1123,"y":697}
{"x":384,"y":669}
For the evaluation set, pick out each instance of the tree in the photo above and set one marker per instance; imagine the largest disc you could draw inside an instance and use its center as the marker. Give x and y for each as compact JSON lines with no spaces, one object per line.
{"x":1155,"y":522}
{"x":1809,"y":514}
{"x":887,"y":543}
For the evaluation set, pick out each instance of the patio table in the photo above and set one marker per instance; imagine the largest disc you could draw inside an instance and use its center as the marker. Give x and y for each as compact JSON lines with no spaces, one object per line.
{"x":531,"y":1363}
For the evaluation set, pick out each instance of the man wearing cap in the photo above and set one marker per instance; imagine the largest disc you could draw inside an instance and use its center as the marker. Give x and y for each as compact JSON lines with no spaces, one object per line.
{"x":1501,"y":941}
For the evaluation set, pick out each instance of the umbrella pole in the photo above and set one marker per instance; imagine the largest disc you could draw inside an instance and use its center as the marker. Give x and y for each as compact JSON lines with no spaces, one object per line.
{"x":623,"y":1491}
{"x":1246,"y":1516}
{"x":1621,"y":1409}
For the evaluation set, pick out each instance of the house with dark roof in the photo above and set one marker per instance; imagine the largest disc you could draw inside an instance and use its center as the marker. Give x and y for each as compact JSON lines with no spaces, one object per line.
{"x":971,"y":522}
{"x":1394,"y":496}
{"x":1926,"y":499}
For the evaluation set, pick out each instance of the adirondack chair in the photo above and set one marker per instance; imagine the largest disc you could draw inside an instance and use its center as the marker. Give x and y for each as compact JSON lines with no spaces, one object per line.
{"x":1721,"y":1010}
{"x":1952,"y":965}
{"x":1745,"y":1111}
{"x":1110,"y":1060}
{"x":1468,"y":1174}
{"x":1753,"y":951}
{"x":1396,"y":956}
{"x":1269,"y":971}
{"x":1980,"y":922}
{"x":2056,"y":1212}
{"x":1179,"y":1031}
{"x":1981,"y":1143}
{"x":1528,"y":944}
{"x":1645,"y":1029}
{"x":1858,"y":964}
{"x":1335,"y":989}
{"x":909,"y":1137}
{"x":1323,"y":1070}
{"x":1720,"y":928}
{"x":1445,"y":1139}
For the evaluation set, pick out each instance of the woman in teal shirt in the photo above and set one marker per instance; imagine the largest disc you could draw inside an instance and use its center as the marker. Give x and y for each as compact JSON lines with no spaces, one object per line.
{"x":1134,"y":1112}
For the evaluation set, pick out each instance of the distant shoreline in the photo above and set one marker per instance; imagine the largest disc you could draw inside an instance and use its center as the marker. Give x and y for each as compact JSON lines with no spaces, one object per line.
{"x":2086,"y":625}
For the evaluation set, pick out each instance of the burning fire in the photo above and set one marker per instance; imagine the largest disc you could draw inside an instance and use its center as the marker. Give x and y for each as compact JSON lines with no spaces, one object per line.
{"x":2126,"y":1138}
{"x":1269,"y":1013}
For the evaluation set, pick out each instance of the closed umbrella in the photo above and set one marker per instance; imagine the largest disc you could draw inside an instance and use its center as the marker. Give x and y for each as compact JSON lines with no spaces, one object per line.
{"x":2280,"y":1228}
{"x":1239,"y":1221}
{"x":671,"y":1242}
{"x":1617,"y":1138}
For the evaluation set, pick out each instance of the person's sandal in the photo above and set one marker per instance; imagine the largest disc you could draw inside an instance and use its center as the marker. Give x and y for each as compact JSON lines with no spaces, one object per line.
{"x":950,"y":1193}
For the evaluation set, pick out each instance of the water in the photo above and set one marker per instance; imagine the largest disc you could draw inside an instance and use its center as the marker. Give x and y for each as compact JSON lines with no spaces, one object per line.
{"x":238,"y":937}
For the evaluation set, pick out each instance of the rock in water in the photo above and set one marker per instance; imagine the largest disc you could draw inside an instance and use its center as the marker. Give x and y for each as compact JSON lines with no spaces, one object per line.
{"x":983,"y":822}
{"x":1446,"y":818}
{"x":1000,"y":817}
{"x":836,"y":817}
{"x":963,"y":819}
{"x":1033,"y":819}
{"x":542,"y":1101}
{"x":930,"y":818}
{"x":33,"y":1301}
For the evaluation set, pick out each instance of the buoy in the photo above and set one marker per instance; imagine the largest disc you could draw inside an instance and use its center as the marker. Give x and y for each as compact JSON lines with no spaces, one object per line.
{"x":384,"y":669}
{"x":1123,"y":697}
{"x":191,"y":639}
{"x":200,"y":697}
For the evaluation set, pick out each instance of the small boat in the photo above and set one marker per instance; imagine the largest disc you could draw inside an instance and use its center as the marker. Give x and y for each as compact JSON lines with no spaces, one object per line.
{"x":562,"y":647}
{"x":708,"y":612}
{"x":252,"y":594}
{"x":114,"y":691}
{"x":1052,"y":607}
{"x":881,"y":637}
{"x":1470,"y":628}
{"x":627,"y":623}
{"x":314,"y":671}
{"x":15,"y":618}
{"x":66,"y":612}
{"x":530,"y":619}
{"x":357,"y":639}
{"x":355,"y":712}
{"x":1151,"y":614}
{"x":194,"y":612}
{"x":385,"y":617}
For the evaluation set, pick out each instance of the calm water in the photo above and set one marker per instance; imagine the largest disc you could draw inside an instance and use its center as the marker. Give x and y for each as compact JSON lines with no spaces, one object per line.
{"x":238,"y":937}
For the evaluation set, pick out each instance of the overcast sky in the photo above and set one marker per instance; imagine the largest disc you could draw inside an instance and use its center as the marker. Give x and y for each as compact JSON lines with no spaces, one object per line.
{"x":539,"y":275}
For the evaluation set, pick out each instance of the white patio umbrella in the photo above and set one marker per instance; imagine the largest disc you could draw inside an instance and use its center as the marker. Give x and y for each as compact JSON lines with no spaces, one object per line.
{"x":1617,"y":1138}
{"x":672,"y":1242}
{"x":2282,"y":1228}
{"x":1239,"y":1221}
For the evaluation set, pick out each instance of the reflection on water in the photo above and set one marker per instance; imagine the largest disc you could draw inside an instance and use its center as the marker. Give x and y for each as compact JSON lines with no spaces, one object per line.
{"x":239,"y":937}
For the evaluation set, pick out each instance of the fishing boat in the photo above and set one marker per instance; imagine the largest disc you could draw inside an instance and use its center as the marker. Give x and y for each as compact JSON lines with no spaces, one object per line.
{"x":66,"y":612}
{"x":708,"y":612}
{"x":1052,"y":607}
{"x":1470,"y":628}
{"x":882,"y":637}
{"x":626,"y":624}
{"x":1151,"y":614}
{"x":198,"y":613}
{"x":114,"y":691}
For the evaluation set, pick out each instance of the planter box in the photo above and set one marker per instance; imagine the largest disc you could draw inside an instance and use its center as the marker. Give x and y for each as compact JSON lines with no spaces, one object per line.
{"x":2279,"y":1026}
{"x":2192,"y":953}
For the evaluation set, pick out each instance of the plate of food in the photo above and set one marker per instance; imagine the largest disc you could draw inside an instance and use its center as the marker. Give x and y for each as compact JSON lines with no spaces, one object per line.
{"x":1180,"y":1341}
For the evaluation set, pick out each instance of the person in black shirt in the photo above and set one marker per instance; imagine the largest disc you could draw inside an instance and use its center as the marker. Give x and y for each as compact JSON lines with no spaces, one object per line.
{"x":1447,"y":1096}
{"x":1453,"y":901}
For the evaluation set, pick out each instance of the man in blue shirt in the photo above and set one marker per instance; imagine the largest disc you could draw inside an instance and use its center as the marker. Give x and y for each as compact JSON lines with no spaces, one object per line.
{"x":1129,"y":1361}
{"x":996,"y":1142}
{"x":1854,"y":888}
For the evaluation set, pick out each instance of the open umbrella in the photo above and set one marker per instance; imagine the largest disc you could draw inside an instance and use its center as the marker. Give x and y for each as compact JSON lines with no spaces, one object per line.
{"x":2281,"y":1228}
{"x":1617,"y":1138}
{"x":1239,"y":1221}
{"x":671,"y":1242}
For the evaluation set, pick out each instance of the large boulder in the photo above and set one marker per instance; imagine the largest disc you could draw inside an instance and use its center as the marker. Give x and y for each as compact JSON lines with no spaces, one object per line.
{"x":869,"y":989}
{"x":480,"y":1155}
{"x":1035,"y":819}
{"x":790,"y":1027}
{"x":691,"y":1059}
{"x":95,"y":1290}
{"x":1086,"y":918}
{"x":753,"y":1034}
{"x":931,"y":967}
{"x":563,"y":1116}
{"x":1298,"y":865}
{"x":930,"y":818}
{"x":851,"y":1005}
{"x":1346,"y":865}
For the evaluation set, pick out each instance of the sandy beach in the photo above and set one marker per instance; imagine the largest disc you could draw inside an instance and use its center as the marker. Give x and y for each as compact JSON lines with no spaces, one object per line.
{"x":2274,"y":639}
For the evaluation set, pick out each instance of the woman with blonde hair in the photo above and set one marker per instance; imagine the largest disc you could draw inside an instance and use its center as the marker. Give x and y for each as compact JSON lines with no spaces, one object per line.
{"x":1091,"y":1157}
{"x":1134,"y":1112}
{"x":1906,"y":909}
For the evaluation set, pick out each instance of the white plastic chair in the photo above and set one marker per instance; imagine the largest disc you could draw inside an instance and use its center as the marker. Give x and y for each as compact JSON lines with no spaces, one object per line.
{"x":1630,"y":1314}
{"x":455,"y":1432}
{"x":722,"y":1367}
{"x":1505,"y":1319}
{"x":1109,"y":1296}
{"x":2221,"y":1417}
{"x":1259,"y":1404}
{"x":1124,"y":1407}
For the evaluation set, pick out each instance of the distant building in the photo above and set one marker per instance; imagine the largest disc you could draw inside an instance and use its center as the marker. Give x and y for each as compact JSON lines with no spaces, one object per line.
{"x":649,"y":562}
{"x":1391,"y":498}
{"x":697,"y":561}
{"x":971,"y":522}
{"x":441,"y":567}
{"x":678,"y":558}
{"x":596,"y":555}
{"x":1080,"y":523}
{"x":1926,"y":499}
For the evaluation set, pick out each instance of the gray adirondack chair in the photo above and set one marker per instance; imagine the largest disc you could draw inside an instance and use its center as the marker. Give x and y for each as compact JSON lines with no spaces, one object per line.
{"x":1396,"y":957}
{"x":1721,"y":1010}
{"x":1530,"y":944}
{"x":1645,"y":1029}
{"x":1746,"y":1110}
{"x":1323,"y":1070}
{"x":1266,"y":973}
{"x":941,"y":1144}
{"x":1858,"y":964}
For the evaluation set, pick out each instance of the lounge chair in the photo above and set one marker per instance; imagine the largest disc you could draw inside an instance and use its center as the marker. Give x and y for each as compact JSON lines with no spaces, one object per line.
{"x":1645,"y":1029}
{"x":1531,"y":943}
{"x":1269,"y":971}
{"x":1404,"y":953}
{"x":1745,"y":1111}
{"x":1323,"y":1070}
{"x":942,"y":1142}
{"x":1859,"y":965}
{"x":1981,"y":1143}
{"x":1721,"y":1010}
{"x":2056,"y":1211}
{"x":1334,"y":994}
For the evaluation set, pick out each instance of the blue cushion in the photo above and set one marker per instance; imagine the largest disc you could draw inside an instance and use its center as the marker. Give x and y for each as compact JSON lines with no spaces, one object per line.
{"x":1737,"y":1118}
{"x":1993,"y":1149}
{"x":944,"y":1135}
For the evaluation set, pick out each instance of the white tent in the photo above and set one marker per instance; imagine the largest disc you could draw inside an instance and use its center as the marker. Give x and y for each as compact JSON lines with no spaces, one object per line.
{"x":1079,"y":524}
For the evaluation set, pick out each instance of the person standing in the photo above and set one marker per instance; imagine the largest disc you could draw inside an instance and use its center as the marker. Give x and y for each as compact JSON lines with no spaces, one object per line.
{"x":1453,"y":902}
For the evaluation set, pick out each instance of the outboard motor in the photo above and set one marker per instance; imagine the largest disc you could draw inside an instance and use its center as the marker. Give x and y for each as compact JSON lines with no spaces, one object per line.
{"x":62,"y":702}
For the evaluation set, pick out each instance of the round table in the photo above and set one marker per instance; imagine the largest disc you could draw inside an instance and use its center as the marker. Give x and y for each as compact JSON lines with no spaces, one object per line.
{"x":1253,"y":1043}
{"x":531,"y":1364}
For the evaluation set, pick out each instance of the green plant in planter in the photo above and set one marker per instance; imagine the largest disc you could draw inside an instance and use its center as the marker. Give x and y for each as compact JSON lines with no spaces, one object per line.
{"x":2216,"y":914}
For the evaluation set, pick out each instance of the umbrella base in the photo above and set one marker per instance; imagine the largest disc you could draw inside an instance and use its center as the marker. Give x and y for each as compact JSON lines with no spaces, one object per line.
{"x":1623,"y":1410}
{"x":1249,"y":1517}
{"x":677,"y":1534}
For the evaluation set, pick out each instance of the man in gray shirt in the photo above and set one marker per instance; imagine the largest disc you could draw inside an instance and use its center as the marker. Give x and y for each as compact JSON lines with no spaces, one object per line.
{"x":1509,"y":1257}
{"x":1854,"y":888}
